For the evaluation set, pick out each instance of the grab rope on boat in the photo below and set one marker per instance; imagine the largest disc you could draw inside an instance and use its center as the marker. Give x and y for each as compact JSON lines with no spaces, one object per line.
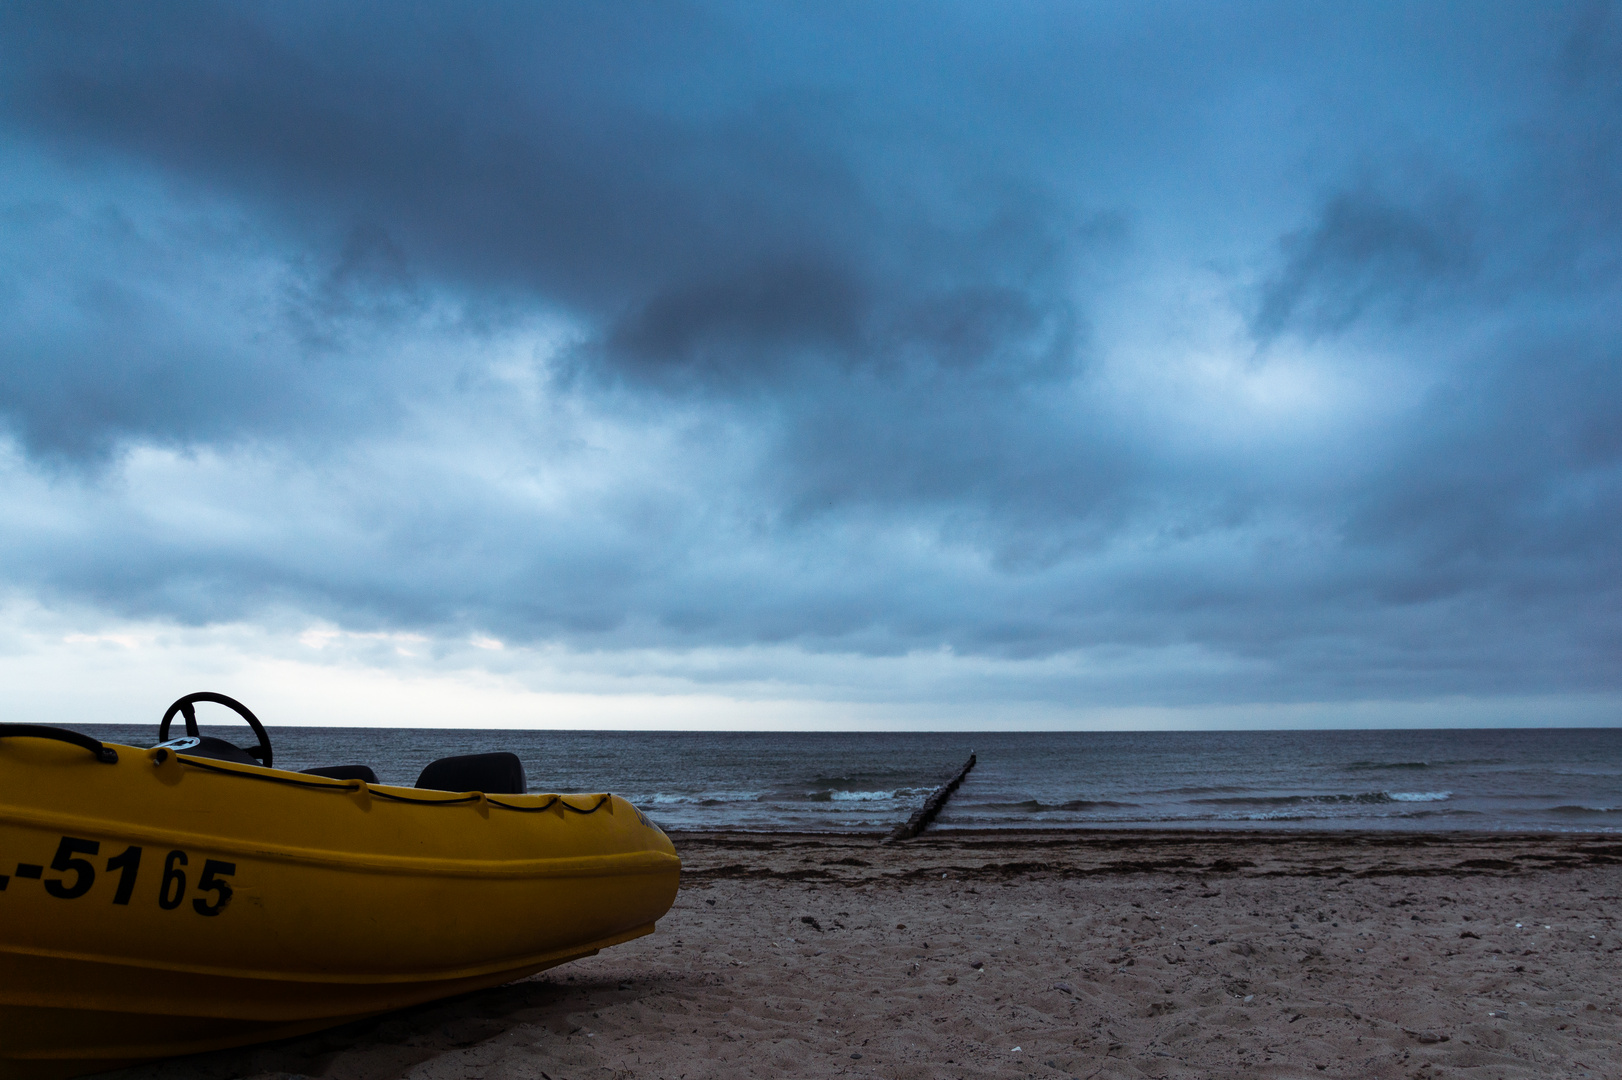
{"x":105,"y":754}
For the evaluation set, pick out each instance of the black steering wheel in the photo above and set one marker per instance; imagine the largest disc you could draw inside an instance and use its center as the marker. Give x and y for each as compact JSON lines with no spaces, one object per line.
{"x":184,"y":707}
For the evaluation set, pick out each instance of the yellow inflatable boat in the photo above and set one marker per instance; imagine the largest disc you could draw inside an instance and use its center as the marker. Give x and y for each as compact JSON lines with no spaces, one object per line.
{"x":189,"y":896}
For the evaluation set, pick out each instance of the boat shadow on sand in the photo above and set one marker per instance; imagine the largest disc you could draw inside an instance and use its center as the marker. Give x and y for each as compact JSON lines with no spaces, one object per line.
{"x":546,"y":1021}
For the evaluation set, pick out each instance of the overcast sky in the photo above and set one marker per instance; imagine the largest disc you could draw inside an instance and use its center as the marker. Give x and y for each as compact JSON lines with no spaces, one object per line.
{"x":814,"y":365}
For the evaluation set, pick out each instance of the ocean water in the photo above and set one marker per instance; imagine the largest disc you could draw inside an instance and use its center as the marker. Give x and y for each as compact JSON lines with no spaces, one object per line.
{"x":1537,"y":779}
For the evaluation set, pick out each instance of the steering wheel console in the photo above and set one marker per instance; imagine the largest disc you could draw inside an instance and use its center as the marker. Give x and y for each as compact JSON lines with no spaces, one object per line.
{"x":184,"y":707}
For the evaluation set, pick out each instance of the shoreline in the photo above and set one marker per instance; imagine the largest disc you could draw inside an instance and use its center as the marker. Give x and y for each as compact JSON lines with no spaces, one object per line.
{"x":1081,"y":853}
{"x":1040,"y":831}
{"x":1093,"y":955}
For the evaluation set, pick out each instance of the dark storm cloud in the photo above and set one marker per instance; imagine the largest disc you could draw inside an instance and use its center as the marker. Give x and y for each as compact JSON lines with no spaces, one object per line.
{"x":1364,"y":251}
{"x":894,"y":316}
{"x":509,"y":150}
{"x":721,"y":330}
{"x":711,"y":219}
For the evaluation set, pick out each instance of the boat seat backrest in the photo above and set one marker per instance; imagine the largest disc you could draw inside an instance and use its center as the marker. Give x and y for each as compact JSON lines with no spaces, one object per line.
{"x":494,"y":774}
{"x":362,"y":773}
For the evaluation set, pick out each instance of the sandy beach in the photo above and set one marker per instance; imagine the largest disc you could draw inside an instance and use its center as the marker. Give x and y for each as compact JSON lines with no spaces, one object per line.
{"x":1091,"y":955}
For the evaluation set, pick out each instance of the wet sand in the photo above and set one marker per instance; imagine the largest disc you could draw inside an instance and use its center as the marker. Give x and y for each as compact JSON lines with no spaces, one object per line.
{"x":1101,"y":954}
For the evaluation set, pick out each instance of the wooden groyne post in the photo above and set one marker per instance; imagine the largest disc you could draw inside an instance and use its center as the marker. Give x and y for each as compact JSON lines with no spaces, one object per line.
{"x":926,"y":813}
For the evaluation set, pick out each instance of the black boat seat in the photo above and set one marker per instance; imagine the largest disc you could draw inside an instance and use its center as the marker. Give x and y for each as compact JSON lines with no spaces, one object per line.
{"x":494,"y":774}
{"x":362,"y":773}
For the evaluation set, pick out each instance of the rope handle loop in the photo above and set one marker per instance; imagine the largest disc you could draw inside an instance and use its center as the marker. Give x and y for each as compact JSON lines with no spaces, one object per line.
{"x":103,"y":753}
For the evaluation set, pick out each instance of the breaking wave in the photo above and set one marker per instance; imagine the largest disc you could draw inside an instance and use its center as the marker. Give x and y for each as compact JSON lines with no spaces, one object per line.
{"x":1365,"y":798}
{"x":1362,"y":766}
{"x":701,"y":798}
{"x":1036,"y":806}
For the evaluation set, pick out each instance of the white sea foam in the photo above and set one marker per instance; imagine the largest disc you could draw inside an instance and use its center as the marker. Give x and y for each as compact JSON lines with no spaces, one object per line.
{"x":862,"y":796}
{"x":698,"y":799}
{"x":1418,"y":796}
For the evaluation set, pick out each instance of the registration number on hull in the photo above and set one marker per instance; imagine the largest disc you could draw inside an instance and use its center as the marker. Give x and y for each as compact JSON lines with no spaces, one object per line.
{"x":73,"y":875}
